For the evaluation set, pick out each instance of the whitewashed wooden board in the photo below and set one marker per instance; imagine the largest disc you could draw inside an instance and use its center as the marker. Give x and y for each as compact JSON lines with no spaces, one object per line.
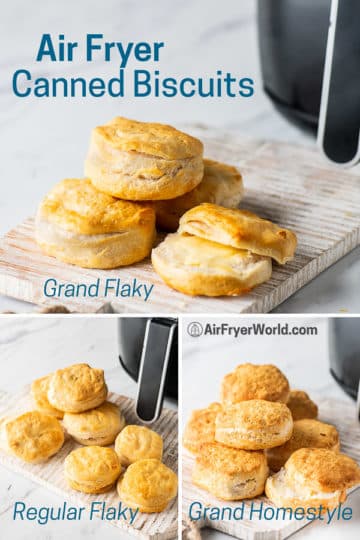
{"x":162,"y":526}
{"x":291,"y":185}
{"x":338,"y":413}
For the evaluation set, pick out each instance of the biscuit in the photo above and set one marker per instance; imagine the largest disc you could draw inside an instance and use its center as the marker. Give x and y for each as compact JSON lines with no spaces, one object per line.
{"x":221,"y":184}
{"x":312,"y":477}
{"x":240,"y":229}
{"x":254,"y":381}
{"x":143,"y":161}
{"x":77,"y":388}
{"x":301,"y":406}
{"x":92,"y":469}
{"x":307,"y":433}
{"x":33,"y":436}
{"x":228,"y":473}
{"x":148,"y":485}
{"x":196,"y":266}
{"x":138,"y":442}
{"x":200,"y":428}
{"x":97,"y":427}
{"x":79,"y":225}
{"x":39,"y":390}
{"x":254,"y":425}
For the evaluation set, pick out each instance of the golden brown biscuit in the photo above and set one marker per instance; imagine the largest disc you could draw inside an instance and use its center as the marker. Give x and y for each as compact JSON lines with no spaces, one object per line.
{"x":301,"y":406}
{"x":32,"y":436}
{"x":79,"y":225}
{"x":196,"y":266}
{"x":147,"y":485}
{"x":255,"y":381}
{"x":138,"y":442}
{"x":240,"y":229}
{"x":39,"y":390}
{"x":254,"y":425}
{"x":143,"y":161}
{"x":77,"y":388}
{"x":221,"y":184}
{"x":97,"y":427}
{"x":307,"y":433}
{"x":229,"y":473}
{"x":200,"y":428}
{"x":92,"y":469}
{"x":312,"y":477}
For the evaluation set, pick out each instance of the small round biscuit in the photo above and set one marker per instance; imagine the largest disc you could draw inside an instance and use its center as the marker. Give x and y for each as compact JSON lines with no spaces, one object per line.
{"x":92,"y":469}
{"x":221,"y":184}
{"x":252,"y":381}
{"x":254,"y":425}
{"x":143,"y":161}
{"x":200,"y":428}
{"x":148,"y":485}
{"x":39,"y":390}
{"x":229,"y":473}
{"x":79,"y":225}
{"x":77,"y":388}
{"x":138,"y":442}
{"x":301,"y":406}
{"x":97,"y":427}
{"x":33,"y":436}
{"x":196,"y":266}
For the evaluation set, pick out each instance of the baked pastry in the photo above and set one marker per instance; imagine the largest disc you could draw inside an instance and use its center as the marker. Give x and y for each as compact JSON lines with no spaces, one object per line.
{"x":79,"y":225}
{"x":33,"y":436}
{"x":196,"y":266}
{"x":229,"y":473}
{"x":39,"y":390}
{"x":148,"y":485}
{"x":301,"y":406}
{"x":138,"y":442}
{"x":143,"y":161}
{"x":77,"y":388}
{"x":200,"y":428}
{"x":253,"y":381}
{"x":221,"y":184}
{"x":92,"y":469}
{"x":254,"y":425}
{"x":240,"y":229}
{"x":97,"y":427}
{"x":307,"y":433}
{"x":312,"y":477}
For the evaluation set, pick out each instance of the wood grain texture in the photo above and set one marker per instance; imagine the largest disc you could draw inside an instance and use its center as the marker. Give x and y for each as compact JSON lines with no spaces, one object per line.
{"x":162,"y":526}
{"x":338,"y":413}
{"x":291,"y":185}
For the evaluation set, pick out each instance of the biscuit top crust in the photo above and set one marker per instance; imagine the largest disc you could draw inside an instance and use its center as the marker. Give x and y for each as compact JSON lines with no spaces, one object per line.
{"x":308,"y":433}
{"x":77,"y":206}
{"x":105,"y":417}
{"x":136,"y":442}
{"x":254,"y":415}
{"x":201,"y":425}
{"x":226,"y":460}
{"x":301,"y":406}
{"x":158,"y":140}
{"x":252,"y":381}
{"x":149,"y":479}
{"x":322,"y":470}
{"x":92,"y":463}
{"x":78,"y":382}
{"x":39,"y":390}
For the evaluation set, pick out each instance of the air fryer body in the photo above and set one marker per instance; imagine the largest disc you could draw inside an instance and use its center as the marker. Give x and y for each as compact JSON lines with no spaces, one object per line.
{"x":344,"y":351}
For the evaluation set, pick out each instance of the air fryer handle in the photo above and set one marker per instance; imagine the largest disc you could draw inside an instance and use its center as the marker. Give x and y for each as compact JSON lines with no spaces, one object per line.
{"x":339,"y":122}
{"x":159,"y":334}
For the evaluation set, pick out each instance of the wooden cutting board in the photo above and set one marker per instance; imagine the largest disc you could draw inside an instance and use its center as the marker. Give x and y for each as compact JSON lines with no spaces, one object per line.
{"x":291,"y":185}
{"x":338,"y":413}
{"x":162,"y":526}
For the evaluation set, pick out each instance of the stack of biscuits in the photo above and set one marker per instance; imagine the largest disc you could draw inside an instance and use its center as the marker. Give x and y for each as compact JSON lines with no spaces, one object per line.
{"x":142,"y":175}
{"x":263,"y":436}
{"x":76,"y":395}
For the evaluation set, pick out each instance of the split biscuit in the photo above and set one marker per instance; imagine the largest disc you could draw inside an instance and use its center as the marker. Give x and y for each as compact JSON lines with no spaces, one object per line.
{"x":148,"y":485}
{"x":230,"y":474}
{"x":301,"y":406}
{"x":92,"y":469}
{"x":143,"y":161}
{"x":97,"y":427}
{"x":79,"y":225}
{"x":39,"y":390}
{"x":241,"y":230}
{"x":77,"y":388}
{"x":200,"y":428}
{"x":138,"y":442}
